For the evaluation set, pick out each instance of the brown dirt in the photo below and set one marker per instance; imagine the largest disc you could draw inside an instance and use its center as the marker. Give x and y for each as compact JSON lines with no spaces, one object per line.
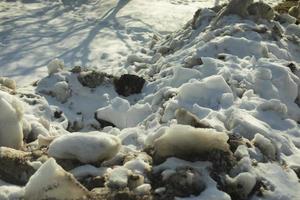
{"x":284,"y":7}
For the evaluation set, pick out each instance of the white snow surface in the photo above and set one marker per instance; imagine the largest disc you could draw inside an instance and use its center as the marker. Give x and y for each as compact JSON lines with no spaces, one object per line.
{"x":240,"y":78}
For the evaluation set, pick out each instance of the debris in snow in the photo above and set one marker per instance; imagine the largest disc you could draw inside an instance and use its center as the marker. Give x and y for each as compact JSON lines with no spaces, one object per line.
{"x":295,"y":11}
{"x":234,"y":7}
{"x":15,"y":166}
{"x":129,"y":84}
{"x":92,"y":78}
{"x":183,"y":183}
{"x":261,"y":10}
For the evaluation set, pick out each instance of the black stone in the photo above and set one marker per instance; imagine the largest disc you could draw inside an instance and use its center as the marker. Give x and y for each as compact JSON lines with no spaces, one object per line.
{"x":129,"y":84}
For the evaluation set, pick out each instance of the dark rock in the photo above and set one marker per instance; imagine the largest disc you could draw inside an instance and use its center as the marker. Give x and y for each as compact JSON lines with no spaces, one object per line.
{"x":129,"y":84}
{"x":93,"y":182}
{"x":57,"y":114}
{"x":292,"y":67}
{"x":76,"y":70}
{"x":195,"y":18}
{"x":91,"y":79}
{"x":221,"y":57}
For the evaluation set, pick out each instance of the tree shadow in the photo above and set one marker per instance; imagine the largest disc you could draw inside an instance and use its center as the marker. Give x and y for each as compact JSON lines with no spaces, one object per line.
{"x":44,"y":35}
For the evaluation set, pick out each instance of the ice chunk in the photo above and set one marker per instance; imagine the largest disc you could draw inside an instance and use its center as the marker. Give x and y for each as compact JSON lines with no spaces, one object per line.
{"x":265,"y":145}
{"x":121,"y":114}
{"x":183,"y":140}
{"x":242,"y":184}
{"x":207,"y":93}
{"x":118,"y":177}
{"x":86,"y":147}
{"x":11,"y":133}
{"x":52,"y":182}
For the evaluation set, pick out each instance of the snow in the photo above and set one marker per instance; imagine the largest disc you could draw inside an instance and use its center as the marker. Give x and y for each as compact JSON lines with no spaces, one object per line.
{"x":87,"y":170}
{"x":121,"y":114}
{"x":88,"y":33}
{"x":11,"y":134}
{"x":85,"y":147}
{"x":143,"y":189}
{"x":241,"y":78}
{"x":183,"y":140}
{"x":265,"y":146}
{"x":243,"y":183}
{"x":118,"y":177}
{"x":55,"y":66}
{"x":53,"y":182}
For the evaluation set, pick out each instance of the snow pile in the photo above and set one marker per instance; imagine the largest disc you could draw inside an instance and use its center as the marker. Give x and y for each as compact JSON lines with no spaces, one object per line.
{"x":85,"y":147}
{"x":222,"y":92}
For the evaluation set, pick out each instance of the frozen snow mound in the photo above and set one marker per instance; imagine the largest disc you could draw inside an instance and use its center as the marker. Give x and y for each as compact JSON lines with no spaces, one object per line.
{"x":11,"y":133}
{"x":52,"y":182}
{"x":122,"y":115}
{"x":86,"y":147}
{"x":183,"y":140}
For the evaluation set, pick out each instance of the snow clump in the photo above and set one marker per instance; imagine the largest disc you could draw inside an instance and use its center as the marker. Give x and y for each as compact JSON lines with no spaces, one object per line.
{"x":86,"y":147}
{"x":183,"y":140}
{"x":55,"y":66}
